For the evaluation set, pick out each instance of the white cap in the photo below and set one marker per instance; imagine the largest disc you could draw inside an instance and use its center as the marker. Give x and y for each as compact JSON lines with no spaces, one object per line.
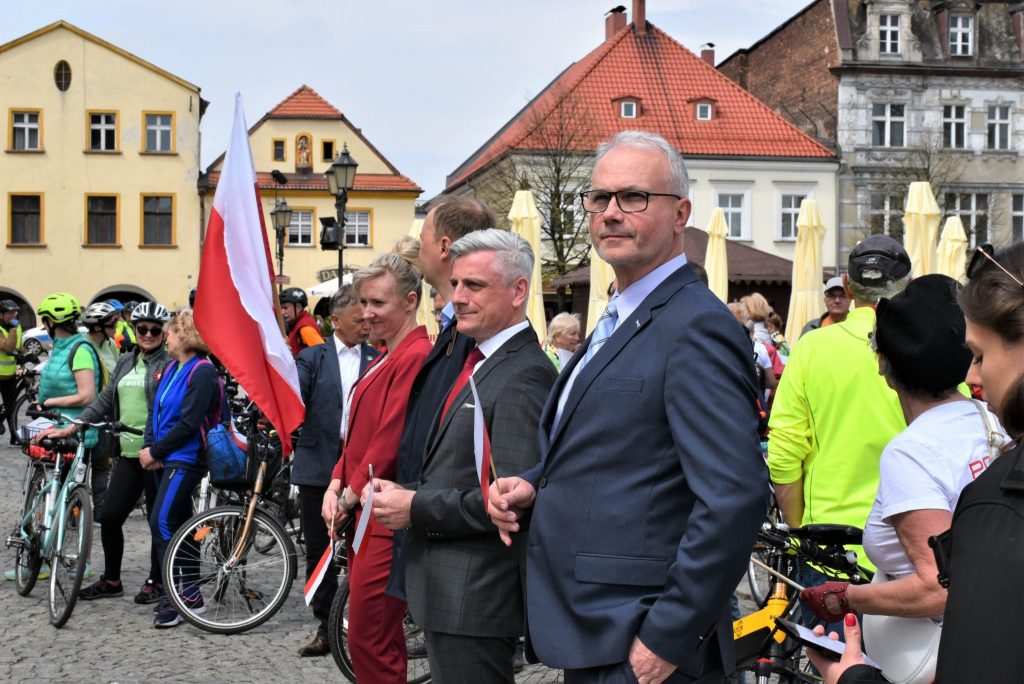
{"x":833,"y":283}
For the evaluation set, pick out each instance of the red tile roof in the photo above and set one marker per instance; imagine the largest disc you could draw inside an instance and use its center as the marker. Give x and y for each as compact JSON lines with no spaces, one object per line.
{"x":665,"y":78}
{"x":304,"y":103}
{"x":367,"y":182}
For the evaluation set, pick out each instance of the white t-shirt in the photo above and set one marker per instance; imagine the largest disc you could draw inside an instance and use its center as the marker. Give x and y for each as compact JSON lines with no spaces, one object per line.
{"x":761,"y":357}
{"x":925,"y":467}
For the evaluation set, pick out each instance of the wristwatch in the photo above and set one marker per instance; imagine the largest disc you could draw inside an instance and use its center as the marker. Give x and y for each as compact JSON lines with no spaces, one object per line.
{"x":344,"y":504}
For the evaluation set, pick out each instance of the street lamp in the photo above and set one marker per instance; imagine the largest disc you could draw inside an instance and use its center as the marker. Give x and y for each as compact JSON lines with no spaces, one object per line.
{"x":281,"y":216}
{"x":341,"y":176}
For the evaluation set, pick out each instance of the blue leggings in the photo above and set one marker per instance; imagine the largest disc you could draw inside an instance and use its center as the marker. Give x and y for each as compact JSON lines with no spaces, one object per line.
{"x":171,"y":508}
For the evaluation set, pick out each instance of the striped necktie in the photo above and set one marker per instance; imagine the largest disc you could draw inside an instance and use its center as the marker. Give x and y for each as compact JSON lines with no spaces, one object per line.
{"x":604,"y":329}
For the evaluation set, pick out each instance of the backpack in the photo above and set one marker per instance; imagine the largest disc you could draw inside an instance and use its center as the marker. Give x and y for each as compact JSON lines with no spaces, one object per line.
{"x":225,"y":447}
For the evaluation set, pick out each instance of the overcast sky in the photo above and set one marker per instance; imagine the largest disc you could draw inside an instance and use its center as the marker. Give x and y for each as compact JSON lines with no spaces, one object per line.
{"x":428,"y":82}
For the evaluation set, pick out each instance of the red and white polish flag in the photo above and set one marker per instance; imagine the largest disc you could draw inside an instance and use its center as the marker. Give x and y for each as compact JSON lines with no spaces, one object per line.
{"x":234,"y":308}
{"x":481,"y":444}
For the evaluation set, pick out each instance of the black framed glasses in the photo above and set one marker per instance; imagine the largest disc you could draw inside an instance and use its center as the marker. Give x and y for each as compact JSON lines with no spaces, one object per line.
{"x":154,"y":331}
{"x":629,"y":201}
{"x":983,"y":254}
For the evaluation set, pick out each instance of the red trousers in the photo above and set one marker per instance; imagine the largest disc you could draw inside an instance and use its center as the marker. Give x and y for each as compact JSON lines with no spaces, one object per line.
{"x":376,"y":636}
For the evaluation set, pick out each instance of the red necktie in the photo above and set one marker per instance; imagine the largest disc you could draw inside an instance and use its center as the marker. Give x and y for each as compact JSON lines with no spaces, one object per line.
{"x":475,"y":357}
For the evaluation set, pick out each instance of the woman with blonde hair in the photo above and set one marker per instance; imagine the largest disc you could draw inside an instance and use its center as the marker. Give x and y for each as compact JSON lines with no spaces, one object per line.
{"x":758,"y":310}
{"x":563,"y":338}
{"x":389,"y":291}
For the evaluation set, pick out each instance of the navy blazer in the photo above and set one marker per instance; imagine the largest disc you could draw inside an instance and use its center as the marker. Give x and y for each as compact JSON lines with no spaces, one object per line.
{"x":317,"y":449}
{"x":650,"y":491}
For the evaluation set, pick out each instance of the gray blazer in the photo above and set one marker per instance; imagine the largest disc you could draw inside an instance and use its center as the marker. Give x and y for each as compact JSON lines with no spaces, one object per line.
{"x":460,"y":578}
{"x":317,"y":449}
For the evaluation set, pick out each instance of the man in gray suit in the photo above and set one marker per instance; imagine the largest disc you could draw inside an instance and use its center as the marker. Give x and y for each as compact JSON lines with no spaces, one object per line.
{"x":326,"y":374}
{"x":463,"y":585}
{"x":651,"y":485}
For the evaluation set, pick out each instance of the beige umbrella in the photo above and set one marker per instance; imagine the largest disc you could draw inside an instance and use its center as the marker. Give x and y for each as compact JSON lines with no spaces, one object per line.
{"x":716,"y":262}
{"x":921,"y":227}
{"x":952,"y":253}
{"x":425,"y":314}
{"x":805,"y":301}
{"x":601,"y":276}
{"x":526,"y":223}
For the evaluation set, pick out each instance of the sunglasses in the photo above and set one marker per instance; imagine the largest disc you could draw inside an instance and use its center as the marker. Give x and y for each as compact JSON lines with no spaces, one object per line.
{"x":144,"y":330}
{"x":984,"y":254}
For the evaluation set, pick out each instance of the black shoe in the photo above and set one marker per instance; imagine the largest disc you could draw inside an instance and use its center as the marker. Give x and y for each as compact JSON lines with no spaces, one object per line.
{"x":319,"y":646}
{"x":101,"y":589}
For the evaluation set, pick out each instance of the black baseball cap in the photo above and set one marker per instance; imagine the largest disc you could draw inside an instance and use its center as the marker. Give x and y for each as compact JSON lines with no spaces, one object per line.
{"x":878,"y":259}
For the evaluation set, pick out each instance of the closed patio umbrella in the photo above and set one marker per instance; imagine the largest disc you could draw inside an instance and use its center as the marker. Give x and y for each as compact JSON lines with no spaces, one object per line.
{"x":921,"y":226}
{"x":526,"y":223}
{"x":716,"y":262}
{"x":952,"y":252}
{"x":805,"y":300}
{"x":601,"y":276}
{"x":425,"y":314}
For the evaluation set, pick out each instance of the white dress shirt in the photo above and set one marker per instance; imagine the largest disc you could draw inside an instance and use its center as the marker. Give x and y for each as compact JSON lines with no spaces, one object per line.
{"x":348,"y":365}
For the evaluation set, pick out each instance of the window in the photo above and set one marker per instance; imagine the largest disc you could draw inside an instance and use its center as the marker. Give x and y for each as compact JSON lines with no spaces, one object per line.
{"x":25,"y":131}
{"x":627,"y":109}
{"x":961,"y":33}
{"x":887,"y":121}
{"x":101,"y":220}
{"x":279,"y":150}
{"x":999,"y":127}
{"x":26,"y":219}
{"x":160,"y":132}
{"x":327,"y":150}
{"x":889,"y":34}
{"x":103,"y":132}
{"x":973,"y":211}
{"x":954,"y":126}
{"x":732,"y":205}
{"x":62,"y":76}
{"x":357,"y":228}
{"x":300,"y":230}
{"x":1017,"y":217}
{"x":886,"y":215}
{"x":704,"y":111}
{"x":157,"y":220}
{"x":790,"y":213}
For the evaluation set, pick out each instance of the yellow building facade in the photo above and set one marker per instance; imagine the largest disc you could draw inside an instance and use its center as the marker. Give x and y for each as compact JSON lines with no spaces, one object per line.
{"x":98,"y":174}
{"x":299,"y":138}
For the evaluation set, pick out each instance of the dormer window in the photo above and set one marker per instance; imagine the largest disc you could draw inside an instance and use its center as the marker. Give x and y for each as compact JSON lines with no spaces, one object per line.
{"x":704,"y":111}
{"x":627,"y":109}
{"x":961,"y":35}
{"x":889,"y":34}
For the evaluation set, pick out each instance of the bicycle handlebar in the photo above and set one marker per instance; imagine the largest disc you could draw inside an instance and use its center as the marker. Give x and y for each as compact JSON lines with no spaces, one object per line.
{"x":56,"y":416}
{"x":833,"y":557}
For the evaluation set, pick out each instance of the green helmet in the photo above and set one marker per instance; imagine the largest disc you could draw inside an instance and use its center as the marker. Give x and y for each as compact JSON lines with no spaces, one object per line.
{"x":60,"y":307}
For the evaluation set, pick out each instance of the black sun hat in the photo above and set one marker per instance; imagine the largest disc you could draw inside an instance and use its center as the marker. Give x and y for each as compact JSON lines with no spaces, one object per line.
{"x":878,"y":259}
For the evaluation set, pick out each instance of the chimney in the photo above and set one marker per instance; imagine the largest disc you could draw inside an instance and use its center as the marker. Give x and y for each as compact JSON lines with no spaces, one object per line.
{"x":707,"y":53}
{"x":615,"y":21}
{"x":640,"y":16}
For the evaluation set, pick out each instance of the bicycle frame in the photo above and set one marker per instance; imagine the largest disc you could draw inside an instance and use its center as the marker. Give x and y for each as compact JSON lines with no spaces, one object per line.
{"x":53,"y":536}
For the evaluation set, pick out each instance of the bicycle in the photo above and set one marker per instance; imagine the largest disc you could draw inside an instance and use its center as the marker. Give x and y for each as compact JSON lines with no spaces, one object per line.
{"x":761,"y":647}
{"x":56,"y":521}
{"x":25,"y":394}
{"x":215,"y":552}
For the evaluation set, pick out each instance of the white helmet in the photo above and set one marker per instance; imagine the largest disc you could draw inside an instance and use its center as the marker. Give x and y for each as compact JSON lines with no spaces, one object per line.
{"x":98,"y":312}
{"x":150,"y":311}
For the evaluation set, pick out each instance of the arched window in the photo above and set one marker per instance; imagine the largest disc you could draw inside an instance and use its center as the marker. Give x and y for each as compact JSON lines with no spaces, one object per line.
{"x":62,"y":75}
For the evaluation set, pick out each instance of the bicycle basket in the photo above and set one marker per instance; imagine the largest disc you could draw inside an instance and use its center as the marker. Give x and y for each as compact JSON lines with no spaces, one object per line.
{"x":48,"y":454}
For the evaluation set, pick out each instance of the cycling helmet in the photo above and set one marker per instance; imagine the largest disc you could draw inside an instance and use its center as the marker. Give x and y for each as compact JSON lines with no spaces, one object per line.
{"x":116,"y":303}
{"x":150,"y":311}
{"x":60,"y":307}
{"x":130,"y":306}
{"x":98,"y":312}
{"x":8,"y":305}
{"x":192,"y":298}
{"x":294,"y":295}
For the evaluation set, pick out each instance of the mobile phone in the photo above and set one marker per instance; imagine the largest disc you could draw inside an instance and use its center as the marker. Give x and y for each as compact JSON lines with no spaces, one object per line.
{"x":830,"y":648}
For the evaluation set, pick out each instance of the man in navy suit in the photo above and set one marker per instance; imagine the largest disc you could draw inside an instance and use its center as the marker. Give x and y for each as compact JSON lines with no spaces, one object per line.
{"x":326,"y":374}
{"x":651,"y":485}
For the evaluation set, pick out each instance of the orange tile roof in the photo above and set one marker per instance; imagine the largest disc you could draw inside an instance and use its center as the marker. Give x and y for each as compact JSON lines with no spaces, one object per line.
{"x":304,"y":103}
{"x":666,"y":79}
{"x":367,"y":182}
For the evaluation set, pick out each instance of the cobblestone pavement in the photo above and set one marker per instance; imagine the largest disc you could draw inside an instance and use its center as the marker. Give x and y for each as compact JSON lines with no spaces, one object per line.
{"x":113,"y":640}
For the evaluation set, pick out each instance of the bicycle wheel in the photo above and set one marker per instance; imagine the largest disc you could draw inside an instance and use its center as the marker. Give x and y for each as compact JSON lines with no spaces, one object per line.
{"x":758,"y":579}
{"x":222,"y":597}
{"x":21,"y":406}
{"x":337,"y":634}
{"x":67,"y":563}
{"x":27,"y":559}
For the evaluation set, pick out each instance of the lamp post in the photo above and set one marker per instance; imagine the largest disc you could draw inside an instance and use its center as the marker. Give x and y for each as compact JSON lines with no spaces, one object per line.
{"x":281,"y":216}
{"x":341,"y":177}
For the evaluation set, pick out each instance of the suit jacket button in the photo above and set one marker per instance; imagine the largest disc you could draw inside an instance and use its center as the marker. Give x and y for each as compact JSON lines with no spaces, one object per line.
{"x":543,"y":482}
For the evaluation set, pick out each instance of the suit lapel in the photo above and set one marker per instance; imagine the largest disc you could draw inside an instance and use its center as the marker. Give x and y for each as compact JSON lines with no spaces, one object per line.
{"x":366,"y":356}
{"x":333,"y":367}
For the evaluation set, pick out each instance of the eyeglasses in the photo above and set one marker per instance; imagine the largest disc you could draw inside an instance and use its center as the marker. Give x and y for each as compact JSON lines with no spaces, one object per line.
{"x":835,"y":295}
{"x":629,"y":201}
{"x":984,"y":254}
{"x":154,"y":331}
{"x":110,"y":323}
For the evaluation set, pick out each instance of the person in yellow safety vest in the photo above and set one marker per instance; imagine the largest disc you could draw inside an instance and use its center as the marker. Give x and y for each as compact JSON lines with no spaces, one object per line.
{"x":10,"y":343}
{"x":124,"y":336}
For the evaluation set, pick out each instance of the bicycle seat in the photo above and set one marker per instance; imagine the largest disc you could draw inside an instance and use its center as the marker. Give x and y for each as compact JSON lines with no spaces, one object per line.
{"x":66,"y":445}
{"x":829,"y":535}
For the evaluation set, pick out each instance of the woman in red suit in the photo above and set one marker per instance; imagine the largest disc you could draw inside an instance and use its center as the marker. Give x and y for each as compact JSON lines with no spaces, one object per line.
{"x":389,"y":293}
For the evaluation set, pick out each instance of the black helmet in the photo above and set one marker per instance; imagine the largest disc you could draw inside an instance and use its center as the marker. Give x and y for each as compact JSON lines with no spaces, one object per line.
{"x":8,"y":305}
{"x":294,"y":295}
{"x":192,"y":298}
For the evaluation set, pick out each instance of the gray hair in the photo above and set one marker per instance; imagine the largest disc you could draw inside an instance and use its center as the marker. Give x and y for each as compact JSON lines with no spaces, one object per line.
{"x":515,"y":256}
{"x":403,"y":264}
{"x":562,"y":324}
{"x":341,"y":299}
{"x":678,"y":180}
{"x":870,"y":294}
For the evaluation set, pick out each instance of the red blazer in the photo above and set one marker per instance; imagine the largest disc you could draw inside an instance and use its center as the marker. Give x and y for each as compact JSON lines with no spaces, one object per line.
{"x":377,"y":414}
